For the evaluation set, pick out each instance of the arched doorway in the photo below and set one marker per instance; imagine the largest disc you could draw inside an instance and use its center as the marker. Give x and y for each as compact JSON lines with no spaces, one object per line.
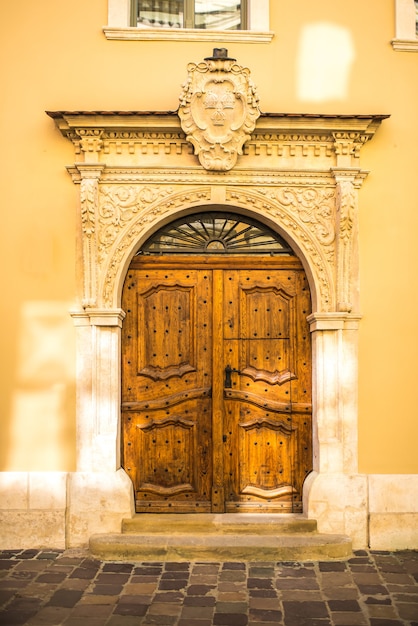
{"x":216,"y":369}
{"x":298,"y":173}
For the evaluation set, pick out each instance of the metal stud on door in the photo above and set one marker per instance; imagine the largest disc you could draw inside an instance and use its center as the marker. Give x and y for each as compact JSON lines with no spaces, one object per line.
{"x":166,"y":404}
{"x":263,"y":324}
{"x":216,"y":393}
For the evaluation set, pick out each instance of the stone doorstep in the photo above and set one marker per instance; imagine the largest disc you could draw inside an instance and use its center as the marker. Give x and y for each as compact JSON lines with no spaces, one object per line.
{"x":217,"y":523}
{"x":224,"y":537}
{"x":219,"y":547}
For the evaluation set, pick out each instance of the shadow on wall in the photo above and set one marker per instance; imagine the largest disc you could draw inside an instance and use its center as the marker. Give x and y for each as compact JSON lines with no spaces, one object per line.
{"x":324,"y":62}
{"x":41,"y":433}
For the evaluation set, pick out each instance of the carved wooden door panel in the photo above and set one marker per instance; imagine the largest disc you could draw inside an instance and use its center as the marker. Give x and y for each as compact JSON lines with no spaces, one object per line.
{"x":267,"y":410}
{"x":216,"y":384}
{"x":166,"y":384}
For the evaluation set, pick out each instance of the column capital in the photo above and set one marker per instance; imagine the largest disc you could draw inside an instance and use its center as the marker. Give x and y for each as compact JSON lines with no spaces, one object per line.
{"x":354,"y":175}
{"x":98,"y":317}
{"x":334,"y":321}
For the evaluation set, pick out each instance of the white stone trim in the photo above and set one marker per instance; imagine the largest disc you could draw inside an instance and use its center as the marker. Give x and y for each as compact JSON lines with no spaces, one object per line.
{"x":186,"y":34}
{"x":405,"y":25}
{"x":62,"y":510}
{"x":118,"y":13}
{"x":59,"y":509}
{"x":97,"y":502}
{"x":259,"y":15}
{"x":393,"y":493}
{"x":334,"y":346}
{"x":98,"y":396}
{"x":119,"y":18}
{"x":339,"y":503}
{"x":393,"y":531}
{"x":335,"y":494}
{"x":33,"y":509}
{"x":297,"y":174}
{"x":393,"y":506}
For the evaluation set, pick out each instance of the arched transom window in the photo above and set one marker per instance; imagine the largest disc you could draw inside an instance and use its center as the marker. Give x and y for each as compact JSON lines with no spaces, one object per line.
{"x":216,"y":233}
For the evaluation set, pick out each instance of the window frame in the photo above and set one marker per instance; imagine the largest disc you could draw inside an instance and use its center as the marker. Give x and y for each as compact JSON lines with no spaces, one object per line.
{"x":119,"y":20}
{"x":406,"y":39}
{"x":233,"y":230}
{"x":189,"y":11}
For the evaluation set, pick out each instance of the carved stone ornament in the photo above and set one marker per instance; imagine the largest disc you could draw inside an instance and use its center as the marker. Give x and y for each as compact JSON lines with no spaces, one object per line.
{"x":218,"y":110}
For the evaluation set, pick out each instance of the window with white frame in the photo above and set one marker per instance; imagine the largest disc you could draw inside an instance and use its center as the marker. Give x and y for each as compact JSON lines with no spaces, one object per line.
{"x":406,"y":17}
{"x":215,"y":15}
{"x":239,"y":20}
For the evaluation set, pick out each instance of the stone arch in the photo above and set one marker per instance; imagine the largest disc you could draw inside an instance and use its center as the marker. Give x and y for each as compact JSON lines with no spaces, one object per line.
{"x":316,"y":256}
{"x":299,"y":174}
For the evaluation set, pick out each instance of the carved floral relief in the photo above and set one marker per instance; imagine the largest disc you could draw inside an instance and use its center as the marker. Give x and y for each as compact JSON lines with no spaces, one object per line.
{"x":314,"y":207}
{"x":346,"y":207}
{"x":125,"y":211}
{"x":300,"y":172}
{"x":143,"y":207}
{"x":88,"y":208}
{"x":115,"y":216}
{"x":276,"y":203}
{"x":120,"y":204}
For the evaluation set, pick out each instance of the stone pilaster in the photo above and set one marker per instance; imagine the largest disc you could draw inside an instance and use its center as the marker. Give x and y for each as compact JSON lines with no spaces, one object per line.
{"x":88,"y":176}
{"x":335,"y":494}
{"x":98,"y":388}
{"x":346,"y":217}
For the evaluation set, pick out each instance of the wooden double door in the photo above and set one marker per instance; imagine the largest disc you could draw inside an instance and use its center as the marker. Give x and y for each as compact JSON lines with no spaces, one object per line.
{"x":216,"y":384}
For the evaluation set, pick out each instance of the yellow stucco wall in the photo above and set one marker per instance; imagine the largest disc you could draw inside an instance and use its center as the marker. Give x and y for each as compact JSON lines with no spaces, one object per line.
{"x":323,"y":59}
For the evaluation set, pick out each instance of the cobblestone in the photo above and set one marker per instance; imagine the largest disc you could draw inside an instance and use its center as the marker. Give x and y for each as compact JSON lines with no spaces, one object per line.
{"x":68,"y":588}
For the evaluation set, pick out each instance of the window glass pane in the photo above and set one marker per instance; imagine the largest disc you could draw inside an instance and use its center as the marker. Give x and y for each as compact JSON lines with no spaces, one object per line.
{"x":218,"y":15}
{"x":213,"y":15}
{"x":160,"y":13}
{"x":216,"y":233}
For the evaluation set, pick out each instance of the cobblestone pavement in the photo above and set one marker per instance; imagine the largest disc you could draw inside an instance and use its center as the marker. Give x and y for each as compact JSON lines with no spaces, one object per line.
{"x":44,"y":588}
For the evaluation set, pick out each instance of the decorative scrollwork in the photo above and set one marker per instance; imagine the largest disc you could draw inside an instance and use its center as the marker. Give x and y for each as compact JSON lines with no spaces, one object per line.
{"x":314,"y":207}
{"x":120,"y":205}
{"x":133,"y":229}
{"x":321,"y":254}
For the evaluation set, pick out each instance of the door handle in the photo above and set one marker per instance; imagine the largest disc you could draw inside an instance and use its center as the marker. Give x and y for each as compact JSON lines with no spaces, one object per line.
{"x":228,"y":371}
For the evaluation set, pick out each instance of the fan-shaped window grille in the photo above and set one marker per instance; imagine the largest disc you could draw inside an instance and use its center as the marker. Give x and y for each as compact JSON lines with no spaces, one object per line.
{"x":215,"y":233}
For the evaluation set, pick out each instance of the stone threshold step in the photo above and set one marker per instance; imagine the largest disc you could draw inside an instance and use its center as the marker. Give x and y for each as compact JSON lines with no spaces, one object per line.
{"x":219,"y":523}
{"x":249,"y":547}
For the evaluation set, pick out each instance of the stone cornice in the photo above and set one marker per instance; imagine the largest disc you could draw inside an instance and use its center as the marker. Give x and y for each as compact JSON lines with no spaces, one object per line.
{"x":196,"y":175}
{"x":93,"y":123}
{"x":156,"y":137}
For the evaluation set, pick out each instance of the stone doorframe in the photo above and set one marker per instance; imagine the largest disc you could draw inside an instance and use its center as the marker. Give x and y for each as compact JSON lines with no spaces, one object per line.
{"x":299,"y":175}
